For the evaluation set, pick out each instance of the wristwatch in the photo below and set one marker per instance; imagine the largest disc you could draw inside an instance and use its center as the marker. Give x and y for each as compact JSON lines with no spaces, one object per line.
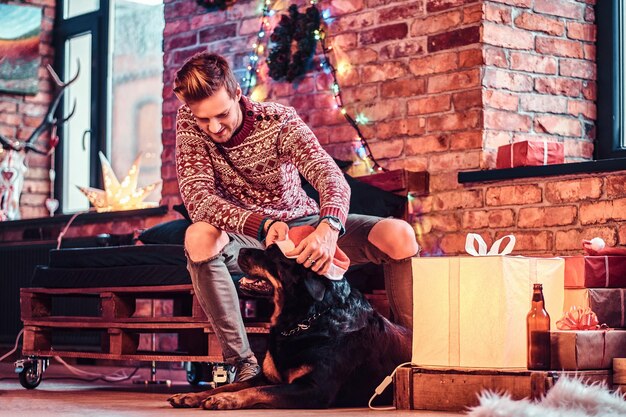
{"x":333,"y":222}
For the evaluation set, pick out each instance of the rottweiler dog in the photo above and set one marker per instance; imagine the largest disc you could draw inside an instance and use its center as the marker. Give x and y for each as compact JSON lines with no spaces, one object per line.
{"x":327,"y":346}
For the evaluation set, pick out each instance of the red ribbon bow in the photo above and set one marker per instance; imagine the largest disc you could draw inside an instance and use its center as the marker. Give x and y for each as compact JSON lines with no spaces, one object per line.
{"x":578,"y":318}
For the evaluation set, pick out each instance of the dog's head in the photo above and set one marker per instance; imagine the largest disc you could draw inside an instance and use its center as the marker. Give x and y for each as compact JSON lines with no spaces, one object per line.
{"x":292,"y":282}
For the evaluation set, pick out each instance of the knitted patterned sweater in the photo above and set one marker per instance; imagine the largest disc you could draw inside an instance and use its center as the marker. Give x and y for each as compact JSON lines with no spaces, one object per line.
{"x":235,"y":185}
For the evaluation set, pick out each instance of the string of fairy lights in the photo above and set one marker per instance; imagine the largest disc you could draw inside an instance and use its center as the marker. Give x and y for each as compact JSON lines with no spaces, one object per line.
{"x":363,"y":150}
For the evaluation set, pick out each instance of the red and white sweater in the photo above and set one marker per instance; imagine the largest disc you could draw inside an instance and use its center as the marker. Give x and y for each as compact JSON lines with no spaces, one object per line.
{"x":235,"y":185}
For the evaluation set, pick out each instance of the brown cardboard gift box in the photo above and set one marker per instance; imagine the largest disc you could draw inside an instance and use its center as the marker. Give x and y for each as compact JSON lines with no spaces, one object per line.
{"x":608,"y":303}
{"x":586,"y":349}
{"x":595,"y":271}
{"x":530,"y":153}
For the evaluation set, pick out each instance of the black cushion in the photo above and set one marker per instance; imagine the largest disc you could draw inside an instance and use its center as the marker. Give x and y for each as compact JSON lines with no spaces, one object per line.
{"x":168,"y":233}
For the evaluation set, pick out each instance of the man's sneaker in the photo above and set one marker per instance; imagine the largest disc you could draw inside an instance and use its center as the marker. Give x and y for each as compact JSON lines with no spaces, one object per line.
{"x":247,"y":369}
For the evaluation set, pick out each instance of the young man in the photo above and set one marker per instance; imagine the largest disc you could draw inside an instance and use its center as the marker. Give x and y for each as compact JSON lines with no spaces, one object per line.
{"x":238,"y":164}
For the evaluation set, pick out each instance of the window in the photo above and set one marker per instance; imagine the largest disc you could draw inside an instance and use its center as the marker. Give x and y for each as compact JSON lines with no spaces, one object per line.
{"x":611,"y":21}
{"x":118,"y":46}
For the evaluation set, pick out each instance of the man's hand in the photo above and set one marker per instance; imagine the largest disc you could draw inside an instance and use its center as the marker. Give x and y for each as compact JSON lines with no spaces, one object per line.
{"x":316,"y":251}
{"x":277,"y":231}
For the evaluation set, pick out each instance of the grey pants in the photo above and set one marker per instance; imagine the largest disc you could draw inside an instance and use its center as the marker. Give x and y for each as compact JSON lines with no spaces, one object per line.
{"x":216,"y":292}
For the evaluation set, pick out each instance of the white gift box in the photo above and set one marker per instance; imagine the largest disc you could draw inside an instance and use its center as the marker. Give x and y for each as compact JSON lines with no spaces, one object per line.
{"x":470,"y":311}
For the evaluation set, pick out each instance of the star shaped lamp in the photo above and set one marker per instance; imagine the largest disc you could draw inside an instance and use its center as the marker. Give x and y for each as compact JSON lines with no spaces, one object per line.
{"x":118,"y":196}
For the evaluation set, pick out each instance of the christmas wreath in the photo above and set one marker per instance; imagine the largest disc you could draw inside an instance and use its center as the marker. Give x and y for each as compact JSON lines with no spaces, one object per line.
{"x":298,"y":27}
{"x":215,"y":4}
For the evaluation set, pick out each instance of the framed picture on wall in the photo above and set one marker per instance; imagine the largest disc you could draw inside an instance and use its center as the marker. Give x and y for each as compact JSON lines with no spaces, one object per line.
{"x":20,"y":28}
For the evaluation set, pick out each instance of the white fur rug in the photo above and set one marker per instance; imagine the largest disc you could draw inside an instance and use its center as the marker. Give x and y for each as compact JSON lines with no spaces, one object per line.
{"x":568,"y":398}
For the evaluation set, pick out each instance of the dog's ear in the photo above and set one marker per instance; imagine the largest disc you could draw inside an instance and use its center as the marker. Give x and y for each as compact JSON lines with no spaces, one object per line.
{"x":315,"y":287}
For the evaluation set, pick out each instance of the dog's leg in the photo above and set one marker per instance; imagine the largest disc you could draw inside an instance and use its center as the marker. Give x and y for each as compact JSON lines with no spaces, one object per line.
{"x":295,"y":395}
{"x":195,"y":399}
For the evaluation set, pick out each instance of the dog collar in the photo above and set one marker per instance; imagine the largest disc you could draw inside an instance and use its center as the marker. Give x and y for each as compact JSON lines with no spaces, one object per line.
{"x":335,"y":273}
{"x":304,"y":324}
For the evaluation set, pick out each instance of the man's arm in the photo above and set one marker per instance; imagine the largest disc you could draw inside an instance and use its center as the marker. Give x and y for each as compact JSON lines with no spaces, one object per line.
{"x":197,"y":183}
{"x":298,"y":141}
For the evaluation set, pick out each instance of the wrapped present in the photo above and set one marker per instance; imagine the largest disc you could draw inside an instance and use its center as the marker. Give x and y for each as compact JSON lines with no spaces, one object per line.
{"x":470,"y":311}
{"x":586,"y":349}
{"x":530,"y":153}
{"x":607,"y":303}
{"x":595,"y":271}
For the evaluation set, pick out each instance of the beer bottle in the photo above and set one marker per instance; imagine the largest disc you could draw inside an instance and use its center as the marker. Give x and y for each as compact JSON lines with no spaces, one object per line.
{"x":538,"y":332}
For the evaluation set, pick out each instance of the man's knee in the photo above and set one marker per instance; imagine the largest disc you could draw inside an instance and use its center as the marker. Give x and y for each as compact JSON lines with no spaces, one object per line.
{"x":203,"y":240}
{"x":394,"y":237}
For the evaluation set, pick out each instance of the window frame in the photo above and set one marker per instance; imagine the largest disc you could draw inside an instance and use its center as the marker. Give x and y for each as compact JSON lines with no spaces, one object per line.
{"x":96,"y":23}
{"x":611,"y":80}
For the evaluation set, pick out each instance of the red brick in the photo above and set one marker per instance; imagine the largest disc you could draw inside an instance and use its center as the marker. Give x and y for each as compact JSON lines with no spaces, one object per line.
{"x":467,"y":140}
{"x":539,"y":23}
{"x":382,"y":72}
{"x":416,"y":126}
{"x":7,"y":107}
{"x":562,"y":8}
{"x":559,"y":86}
{"x":533,"y":63}
{"x":364,"y":93}
{"x":436,"y":23}
{"x":400,"y":12}
{"x":531,"y":241}
{"x":454,"y":200}
{"x":400,"y":49}
{"x":496,"y":138}
{"x":473,"y":14}
{"x":543,"y":103}
{"x":384,"y":33}
{"x":578,"y":69}
{"x":501,"y":100}
{"x":493,"y":219}
{"x":384,"y":109}
{"x":177,"y":26}
{"x":558,"y":125}
{"x":344,"y":41}
{"x":589,"y":52}
{"x":181,"y":41}
{"x":590,"y":14}
{"x":426,"y":144}
{"x":447,"y":222}
{"x":622,"y":234}
{"x":507,"y":37}
{"x":615,"y":185}
{"x":513,"y":195}
{"x":387,"y":149}
{"x":506,"y":80}
{"x":215,"y":33}
{"x":571,"y":240}
{"x":207,"y":19}
{"x":445,"y":161}
{"x":470,"y":58}
{"x":501,"y":120}
{"x":436,"y":63}
{"x":454,"y":39}
{"x":497,"y":14}
{"x":454,"y":81}
{"x":603,"y":211}
{"x":559,"y":47}
{"x":339,"y":8}
{"x":439,"y":5}
{"x":443,"y":181}
{"x":539,"y":217}
{"x":350,"y":21}
{"x":430,"y":104}
{"x":582,"y":107}
{"x":496,"y":57}
{"x":567,"y":191}
{"x":578,"y":148}
{"x":517,"y":3}
{"x":384,"y":130}
{"x":362,"y":55}
{"x":455,"y":121}
{"x":589,"y":90}
{"x":467,"y":99}
{"x":581,"y":31}
{"x":403,"y":88}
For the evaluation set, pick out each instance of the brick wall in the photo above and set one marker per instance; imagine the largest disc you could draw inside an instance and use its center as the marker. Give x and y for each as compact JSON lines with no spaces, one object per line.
{"x":20,"y":114}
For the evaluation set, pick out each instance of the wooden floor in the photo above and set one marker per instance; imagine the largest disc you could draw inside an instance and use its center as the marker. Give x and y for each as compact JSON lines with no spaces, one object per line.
{"x":58,"y":395}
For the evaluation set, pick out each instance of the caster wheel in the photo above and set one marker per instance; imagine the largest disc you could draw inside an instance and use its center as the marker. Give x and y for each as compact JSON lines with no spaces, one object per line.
{"x":31,"y":376}
{"x":194,"y":373}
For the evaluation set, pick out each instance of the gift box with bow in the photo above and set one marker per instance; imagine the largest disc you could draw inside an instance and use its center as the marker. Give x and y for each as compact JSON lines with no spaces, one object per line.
{"x":470,"y":311}
{"x":609,"y":304}
{"x":530,"y":153}
{"x":595,"y":271}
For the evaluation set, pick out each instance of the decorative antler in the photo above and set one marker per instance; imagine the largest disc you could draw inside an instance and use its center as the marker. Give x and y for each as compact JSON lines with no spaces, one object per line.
{"x":49,"y":122}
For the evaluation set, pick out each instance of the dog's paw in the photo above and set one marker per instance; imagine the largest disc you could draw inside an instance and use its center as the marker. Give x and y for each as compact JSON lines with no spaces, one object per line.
{"x":223,"y":401}
{"x":190,"y":400}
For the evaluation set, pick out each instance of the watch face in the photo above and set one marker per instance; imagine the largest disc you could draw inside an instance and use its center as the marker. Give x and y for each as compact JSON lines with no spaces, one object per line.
{"x":334,"y":222}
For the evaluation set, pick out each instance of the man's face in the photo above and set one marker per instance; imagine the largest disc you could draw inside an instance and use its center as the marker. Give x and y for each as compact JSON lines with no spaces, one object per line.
{"x":218,"y":115}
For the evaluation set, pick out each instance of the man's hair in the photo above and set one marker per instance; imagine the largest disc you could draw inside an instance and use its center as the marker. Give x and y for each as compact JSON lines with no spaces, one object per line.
{"x":201,"y":76}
